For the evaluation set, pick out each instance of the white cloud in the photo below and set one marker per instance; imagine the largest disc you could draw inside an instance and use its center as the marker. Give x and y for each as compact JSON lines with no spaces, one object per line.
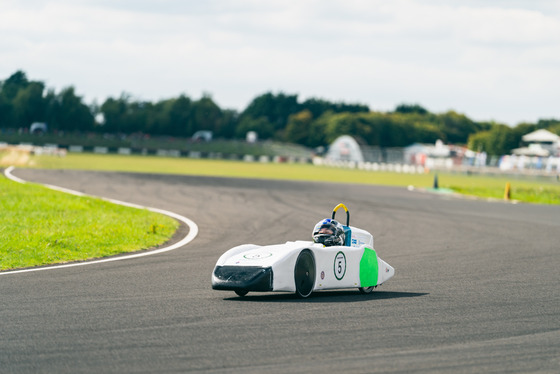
{"x":498,"y":61}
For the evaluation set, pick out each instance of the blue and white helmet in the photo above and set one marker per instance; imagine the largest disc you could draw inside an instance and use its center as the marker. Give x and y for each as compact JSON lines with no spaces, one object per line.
{"x":328,"y":232}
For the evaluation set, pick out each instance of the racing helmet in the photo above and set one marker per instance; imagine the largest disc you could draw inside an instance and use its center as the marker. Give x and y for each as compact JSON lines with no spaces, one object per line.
{"x":328,"y":232}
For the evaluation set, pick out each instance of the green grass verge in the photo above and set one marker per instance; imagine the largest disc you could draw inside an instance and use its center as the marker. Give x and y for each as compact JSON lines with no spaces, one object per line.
{"x":534,"y":191}
{"x":223,"y":168}
{"x":527,"y":194}
{"x":40,"y":226}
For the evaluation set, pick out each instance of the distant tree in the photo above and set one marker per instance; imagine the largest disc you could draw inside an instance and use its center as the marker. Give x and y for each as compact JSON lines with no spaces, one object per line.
{"x":313,"y":122}
{"x":171,"y":117}
{"x":299,"y":127}
{"x":261,"y":126}
{"x":137,"y":116}
{"x":499,"y":140}
{"x":484,"y":126}
{"x":68,"y":112}
{"x":279,"y":109}
{"x":379,"y":129}
{"x":425,"y":132}
{"x":317,"y":107}
{"x":479,"y":142}
{"x":396,"y":131}
{"x":206,"y":115}
{"x":229,"y":123}
{"x":114,"y":111}
{"x":6,"y":112}
{"x":547,"y":123}
{"x":502,"y":140}
{"x":21,"y":101}
{"x":13,"y":84}
{"x":456,"y":127}
{"x":157,"y":119}
{"x":555,"y":129}
{"x":520,"y":130}
{"x":317,"y":131}
{"x":29,"y":105}
{"x":180,"y":117}
{"x":362,"y":125}
{"x":410,"y":108}
{"x":275,"y":108}
{"x":175,"y":117}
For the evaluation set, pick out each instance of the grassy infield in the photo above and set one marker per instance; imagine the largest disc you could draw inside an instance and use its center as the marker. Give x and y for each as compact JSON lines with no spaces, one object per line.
{"x":40,"y":226}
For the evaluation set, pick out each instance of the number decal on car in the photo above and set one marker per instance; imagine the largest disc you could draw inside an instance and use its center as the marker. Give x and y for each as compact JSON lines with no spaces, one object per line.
{"x":339,"y":265}
{"x":257,"y":256}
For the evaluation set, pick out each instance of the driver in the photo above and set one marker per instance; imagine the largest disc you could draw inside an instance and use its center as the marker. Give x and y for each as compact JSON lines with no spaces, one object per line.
{"x":328,"y":232}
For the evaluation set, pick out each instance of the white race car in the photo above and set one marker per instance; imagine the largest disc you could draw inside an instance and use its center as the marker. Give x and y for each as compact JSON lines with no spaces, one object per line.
{"x":305,"y":266}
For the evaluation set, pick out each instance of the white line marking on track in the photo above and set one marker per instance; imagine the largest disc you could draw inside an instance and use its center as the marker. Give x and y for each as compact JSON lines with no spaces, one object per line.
{"x":193,"y":229}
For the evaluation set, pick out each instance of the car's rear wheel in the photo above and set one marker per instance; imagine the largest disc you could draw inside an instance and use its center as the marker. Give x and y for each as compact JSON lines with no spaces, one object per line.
{"x":366,"y":290}
{"x":304,"y":273}
{"x":241,"y":292}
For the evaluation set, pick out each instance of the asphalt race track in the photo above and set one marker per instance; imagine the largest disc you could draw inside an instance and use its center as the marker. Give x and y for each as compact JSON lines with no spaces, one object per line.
{"x":475,"y":290}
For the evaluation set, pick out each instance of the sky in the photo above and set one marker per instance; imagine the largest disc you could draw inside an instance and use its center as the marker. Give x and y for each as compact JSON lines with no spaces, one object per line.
{"x":490,"y":60}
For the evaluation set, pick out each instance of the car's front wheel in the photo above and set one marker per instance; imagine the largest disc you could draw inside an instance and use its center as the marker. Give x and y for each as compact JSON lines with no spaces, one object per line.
{"x":241,"y":292}
{"x":304,"y":273}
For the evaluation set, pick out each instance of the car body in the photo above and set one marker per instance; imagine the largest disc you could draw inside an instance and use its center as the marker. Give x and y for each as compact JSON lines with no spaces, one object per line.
{"x":303,"y":266}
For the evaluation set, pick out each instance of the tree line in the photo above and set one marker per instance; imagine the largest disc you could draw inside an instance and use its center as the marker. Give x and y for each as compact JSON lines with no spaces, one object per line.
{"x":313,"y":122}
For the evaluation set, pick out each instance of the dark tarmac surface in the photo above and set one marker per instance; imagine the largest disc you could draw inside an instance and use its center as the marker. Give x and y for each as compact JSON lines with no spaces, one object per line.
{"x":475,"y":290}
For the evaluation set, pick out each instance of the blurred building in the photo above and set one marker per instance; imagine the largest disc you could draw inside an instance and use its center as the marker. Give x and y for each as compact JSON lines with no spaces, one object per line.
{"x":345,"y":148}
{"x":540,"y":143}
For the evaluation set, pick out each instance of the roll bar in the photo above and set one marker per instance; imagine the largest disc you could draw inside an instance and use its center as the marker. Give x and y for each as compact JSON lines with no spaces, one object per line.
{"x":347,"y":212}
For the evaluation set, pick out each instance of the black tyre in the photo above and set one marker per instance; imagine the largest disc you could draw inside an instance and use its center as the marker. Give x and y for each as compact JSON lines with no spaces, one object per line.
{"x":304,"y":273}
{"x":366,"y":290}
{"x":241,"y":292}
